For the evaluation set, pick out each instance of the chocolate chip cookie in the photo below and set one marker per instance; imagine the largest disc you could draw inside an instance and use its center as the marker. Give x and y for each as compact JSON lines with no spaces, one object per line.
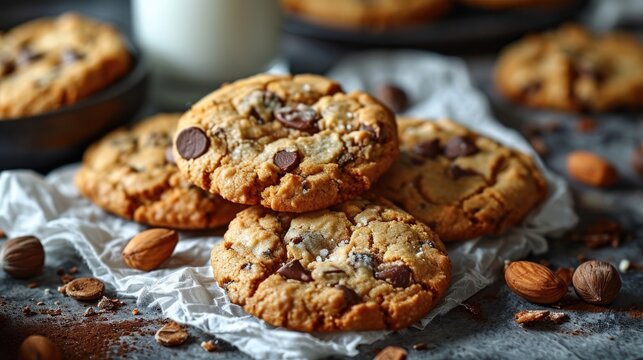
{"x":367,"y":14}
{"x":289,"y":143}
{"x":461,"y":184}
{"x":360,"y":265}
{"x":49,"y":63}
{"x":131,"y":173}
{"x":572,"y":70}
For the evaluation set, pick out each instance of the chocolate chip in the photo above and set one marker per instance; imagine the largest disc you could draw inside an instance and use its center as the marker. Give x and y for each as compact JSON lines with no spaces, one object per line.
{"x":350,"y":296}
{"x":460,"y":146}
{"x":301,"y":117}
{"x":192,"y":143}
{"x":295,"y":271}
{"x":397,"y":275}
{"x":263,"y":104}
{"x":393,"y":97}
{"x":169,"y":156}
{"x":429,"y":149}
{"x":286,"y":160}
{"x":456,"y":172}
{"x":70,"y":56}
{"x":296,"y":240}
{"x":26,"y":56}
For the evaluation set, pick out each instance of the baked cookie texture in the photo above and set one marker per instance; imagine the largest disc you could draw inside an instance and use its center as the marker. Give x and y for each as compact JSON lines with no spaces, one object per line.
{"x":360,"y":265}
{"x":513,"y":4}
{"x":289,"y":143}
{"x":572,"y":70}
{"x":131,"y":173}
{"x":367,"y":14}
{"x":49,"y":63}
{"x":461,"y":184}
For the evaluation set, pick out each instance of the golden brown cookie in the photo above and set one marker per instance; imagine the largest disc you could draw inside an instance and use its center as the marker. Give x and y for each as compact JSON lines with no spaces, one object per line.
{"x":289,"y":143}
{"x":572,"y":70}
{"x":360,"y":265}
{"x":367,"y":14}
{"x":132,"y":174}
{"x":49,"y":63}
{"x":461,"y":184}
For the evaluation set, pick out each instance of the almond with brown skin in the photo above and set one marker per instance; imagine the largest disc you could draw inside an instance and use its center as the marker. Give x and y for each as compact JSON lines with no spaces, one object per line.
{"x":591,"y":169}
{"x":150,"y":248}
{"x":23,"y":256}
{"x":535,"y":282}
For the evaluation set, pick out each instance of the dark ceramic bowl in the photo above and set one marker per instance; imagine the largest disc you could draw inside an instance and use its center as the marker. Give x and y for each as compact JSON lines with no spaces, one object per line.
{"x":45,"y":141}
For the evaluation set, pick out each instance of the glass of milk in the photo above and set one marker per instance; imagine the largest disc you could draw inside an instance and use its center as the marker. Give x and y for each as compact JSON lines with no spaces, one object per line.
{"x":193,"y":46}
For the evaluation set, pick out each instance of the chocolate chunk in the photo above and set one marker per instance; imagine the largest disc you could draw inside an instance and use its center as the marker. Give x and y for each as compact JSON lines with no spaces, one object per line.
{"x":350,"y":296}
{"x":429,"y":149}
{"x":456,"y":172}
{"x":295,"y":271}
{"x":393,"y":97}
{"x":7,"y":66}
{"x":460,"y":146}
{"x":297,"y":239}
{"x":397,"y":275}
{"x":532,"y":88}
{"x":26,"y":56}
{"x":263,"y":104}
{"x":70,"y":56}
{"x":301,"y":117}
{"x":286,"y":160}
{"x":192,"y":143}
{"x":169,"y":156}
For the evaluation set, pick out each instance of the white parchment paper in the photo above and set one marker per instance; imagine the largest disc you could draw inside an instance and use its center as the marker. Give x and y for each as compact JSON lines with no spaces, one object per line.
{"x":51,"y":209}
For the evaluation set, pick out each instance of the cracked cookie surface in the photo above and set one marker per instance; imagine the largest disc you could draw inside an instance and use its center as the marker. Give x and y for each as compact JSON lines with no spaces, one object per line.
{"x":48,"y":63}
{"x":131,"y":173}
{"x":570,"y":69}
{"x":461,"y":184}
{"x":289,"y":143}
{"x":360,"y":265}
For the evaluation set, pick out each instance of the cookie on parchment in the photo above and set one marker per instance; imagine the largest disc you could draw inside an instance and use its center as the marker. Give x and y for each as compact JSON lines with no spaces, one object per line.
{"x":367,"y":14}
{"x":131,"y":173}
{"x":572,"y":70}
{"x":49,"y":63}
{"x":463,"y":185}
{"x":289,"y":143}
{"x":360,"y":265}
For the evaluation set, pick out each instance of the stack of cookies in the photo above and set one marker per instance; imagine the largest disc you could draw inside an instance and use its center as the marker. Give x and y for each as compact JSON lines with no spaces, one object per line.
{"x":334,"y":229}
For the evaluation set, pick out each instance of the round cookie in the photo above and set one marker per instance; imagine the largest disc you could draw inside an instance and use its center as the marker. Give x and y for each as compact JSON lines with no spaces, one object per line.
{"x":289,"y":143}
{"x":461,"y":184}
{"x":360,"y":265}
{"x":48,"y":63}
{"x":367,"y":14}
{"x":570,"y":69}
{"x":131,"y":173}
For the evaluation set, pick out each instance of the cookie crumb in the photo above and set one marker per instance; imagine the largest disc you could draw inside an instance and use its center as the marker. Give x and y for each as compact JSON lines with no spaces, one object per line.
{"x":209,"y":346}
{"x":624,"y":266}
{"x":391,"y":353}
{"x":586,"y":124}
{"x":527,"y":317}
{"x":73,"y":270}
{"x":32,"y":285}
{"x":135,"y":312}
{"x":422,"y":346}
{"x":89,"y":312}
{"x":27,"y":311}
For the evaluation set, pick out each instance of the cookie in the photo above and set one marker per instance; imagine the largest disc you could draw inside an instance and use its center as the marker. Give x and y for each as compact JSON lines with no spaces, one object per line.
{"x":360,"y":265}
{"x":572,"y":70}
{"x":289,"y":143}
{"x":367,"y":14}
{"x":131,"y":173}
{"x":463,"y":185}
{"x":513,"y":4}
{"x":49,"y":63}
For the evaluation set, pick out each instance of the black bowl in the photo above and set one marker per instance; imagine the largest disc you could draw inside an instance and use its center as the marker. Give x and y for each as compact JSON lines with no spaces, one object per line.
{"x":45,"y":141}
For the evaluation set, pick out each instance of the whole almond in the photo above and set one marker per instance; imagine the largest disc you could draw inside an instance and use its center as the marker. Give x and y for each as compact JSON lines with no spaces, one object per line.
{"x":591,"y":169}
{"x":535,"y":282}
{"x":23,"y":256}
{"x":150,"y":248}
{"x":38,"y":347}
